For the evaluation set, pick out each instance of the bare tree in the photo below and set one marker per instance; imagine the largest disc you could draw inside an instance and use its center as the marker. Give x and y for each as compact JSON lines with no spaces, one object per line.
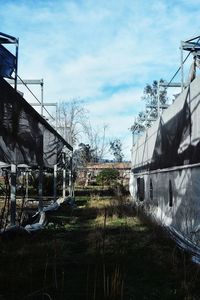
{"x":74,"y":125}
{"x":97,"y":140}
{"x":71,"y":117}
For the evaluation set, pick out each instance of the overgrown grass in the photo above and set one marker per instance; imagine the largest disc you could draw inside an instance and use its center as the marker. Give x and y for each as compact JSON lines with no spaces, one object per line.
{"x":101,"y":249}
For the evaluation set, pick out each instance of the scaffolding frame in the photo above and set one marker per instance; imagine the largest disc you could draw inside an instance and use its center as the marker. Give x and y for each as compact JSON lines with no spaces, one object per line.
{"x":8,"y":39}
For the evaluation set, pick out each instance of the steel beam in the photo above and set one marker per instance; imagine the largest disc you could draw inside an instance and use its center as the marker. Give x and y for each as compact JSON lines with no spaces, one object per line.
{"x":44,"y":104}
{"x":26,"y":81}
{"x":193,"y":38}
{"x":172,"y":84}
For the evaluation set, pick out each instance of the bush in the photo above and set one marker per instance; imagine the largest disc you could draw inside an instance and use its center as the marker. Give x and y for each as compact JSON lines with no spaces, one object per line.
{"x":107,"y":177}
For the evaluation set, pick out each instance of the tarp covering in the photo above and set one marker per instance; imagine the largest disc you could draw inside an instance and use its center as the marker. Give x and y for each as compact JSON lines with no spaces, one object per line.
{"x":185,"y":244}
{"x":7,"y":39}
{"x":7,"y":62}
{"x":174,"y":139}
{"x":25,"y":137}
{"x":169,"y":138}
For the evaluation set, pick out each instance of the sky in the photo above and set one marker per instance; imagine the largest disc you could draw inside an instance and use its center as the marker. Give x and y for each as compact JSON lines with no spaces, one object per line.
{"x":103,"y":52}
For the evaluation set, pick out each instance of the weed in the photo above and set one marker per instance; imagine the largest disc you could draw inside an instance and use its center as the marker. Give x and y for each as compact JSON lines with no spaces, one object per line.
{"x":102,"y":249}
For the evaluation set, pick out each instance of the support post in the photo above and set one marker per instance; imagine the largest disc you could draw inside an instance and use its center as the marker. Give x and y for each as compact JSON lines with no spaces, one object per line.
{"x":56,"y":116}
{"x":40,"y":189}
{"x":70,"y":178}
{"x":158,"y":99}
{"x":42,"y":97}
{"x":64,"y":182}
{"x":133,"y":140}
{"x":16,"y":65}
{"x":182,"y":71}
{"x":13,"y":195}
{"x":55,"y":182}
{"x":27,"y":182}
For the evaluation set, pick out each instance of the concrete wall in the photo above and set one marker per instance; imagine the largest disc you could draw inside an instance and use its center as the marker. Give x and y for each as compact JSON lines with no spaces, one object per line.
{"x":182,"y":211}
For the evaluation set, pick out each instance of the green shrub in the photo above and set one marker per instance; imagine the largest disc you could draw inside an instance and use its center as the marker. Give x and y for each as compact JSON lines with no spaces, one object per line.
{"x":107,"y":177}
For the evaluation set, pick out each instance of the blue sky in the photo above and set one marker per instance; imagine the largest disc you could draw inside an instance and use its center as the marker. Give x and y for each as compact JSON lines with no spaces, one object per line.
{"x":101,"y":51}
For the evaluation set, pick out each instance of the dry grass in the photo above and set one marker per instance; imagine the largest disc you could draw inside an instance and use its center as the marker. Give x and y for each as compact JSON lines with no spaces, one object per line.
{"x":99,"y":250}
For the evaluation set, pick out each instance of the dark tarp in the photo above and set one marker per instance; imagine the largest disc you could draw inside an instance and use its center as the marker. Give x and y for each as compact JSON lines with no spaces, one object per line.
{"x":167,"y":142}
{"x":7,"y":39}
{"x":173,"y":145}
{"x":25,"y":137}
{"x":7,"y":62}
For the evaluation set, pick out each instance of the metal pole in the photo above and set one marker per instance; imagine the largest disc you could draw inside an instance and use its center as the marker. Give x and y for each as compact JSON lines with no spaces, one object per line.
{"x":40,"y":189}
{"x":56,"y":116}
{"x":158,"y":99}
{"x":42,"y":96}
{"x":132,"y":138}
{"x":64,"y":183}
{"x":70,"y":178}
{"x":55,"y":182}
{"x":27,"y":179}
{"x":16,"y":67}
{"x":64,"y":132}
{"x":13,"y":195}
{"x":182,"y":71}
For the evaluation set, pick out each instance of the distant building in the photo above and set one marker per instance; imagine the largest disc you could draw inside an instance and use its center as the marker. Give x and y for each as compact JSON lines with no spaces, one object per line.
{"x":88,"y":174}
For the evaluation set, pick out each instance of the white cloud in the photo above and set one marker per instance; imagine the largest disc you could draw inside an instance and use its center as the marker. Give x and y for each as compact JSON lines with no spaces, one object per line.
{"x":102,"y":51}
{"x":118,"y":103}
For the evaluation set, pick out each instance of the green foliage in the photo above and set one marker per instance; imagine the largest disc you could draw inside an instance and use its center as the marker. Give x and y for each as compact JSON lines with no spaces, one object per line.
{"x":151,"y":93}
{"x":83,"y":155}
{"x":150,"y":114}
{"x":101,"y":250}
{"x":107,"y":176}
{"x":116,"y":149}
